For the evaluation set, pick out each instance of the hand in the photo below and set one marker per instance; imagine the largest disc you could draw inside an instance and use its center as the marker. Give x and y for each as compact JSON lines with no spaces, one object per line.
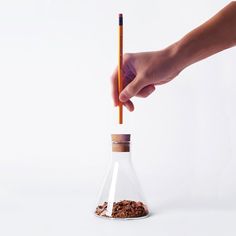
{"x":141,"y":72}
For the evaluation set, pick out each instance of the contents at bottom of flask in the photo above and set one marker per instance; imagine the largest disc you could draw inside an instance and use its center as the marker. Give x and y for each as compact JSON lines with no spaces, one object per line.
{"x":123,"y":209}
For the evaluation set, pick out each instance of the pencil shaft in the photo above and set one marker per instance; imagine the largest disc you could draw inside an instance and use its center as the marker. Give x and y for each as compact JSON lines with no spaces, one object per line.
{"x":120,"y":62}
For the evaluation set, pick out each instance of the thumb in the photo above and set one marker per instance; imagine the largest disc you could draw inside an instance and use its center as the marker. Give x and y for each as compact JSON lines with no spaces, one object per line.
{"x":130,"y":90}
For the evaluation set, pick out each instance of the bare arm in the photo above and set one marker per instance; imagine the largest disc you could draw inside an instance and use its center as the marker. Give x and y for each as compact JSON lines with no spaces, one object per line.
{"x":213,"y":36}
{"x":143,"y":71}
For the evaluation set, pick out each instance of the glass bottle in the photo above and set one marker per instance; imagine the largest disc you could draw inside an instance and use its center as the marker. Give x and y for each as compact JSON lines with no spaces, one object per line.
{"x":121,"y":196}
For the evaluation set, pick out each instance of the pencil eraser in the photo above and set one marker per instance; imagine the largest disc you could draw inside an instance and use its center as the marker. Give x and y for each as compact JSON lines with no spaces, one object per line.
{"x":120,"y":19}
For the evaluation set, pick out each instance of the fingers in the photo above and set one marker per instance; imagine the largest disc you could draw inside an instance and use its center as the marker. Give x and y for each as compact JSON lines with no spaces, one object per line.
{"x":130,"y":90}
{"x":114,"y":78}
{"x":134,"y":88}
{"x":129,"y":105}
{"x":114,"y":87}
{"x":146,"y":91}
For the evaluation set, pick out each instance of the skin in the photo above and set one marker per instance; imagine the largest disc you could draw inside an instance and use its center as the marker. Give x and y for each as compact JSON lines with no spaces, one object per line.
{"x":144,"y":71}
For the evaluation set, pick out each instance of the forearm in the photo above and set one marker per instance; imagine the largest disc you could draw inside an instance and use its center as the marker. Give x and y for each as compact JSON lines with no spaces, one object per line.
{"x":213,"y":36}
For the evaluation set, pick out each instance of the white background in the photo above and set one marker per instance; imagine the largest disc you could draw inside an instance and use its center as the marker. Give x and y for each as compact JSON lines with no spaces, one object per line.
{"x":56,"y":117}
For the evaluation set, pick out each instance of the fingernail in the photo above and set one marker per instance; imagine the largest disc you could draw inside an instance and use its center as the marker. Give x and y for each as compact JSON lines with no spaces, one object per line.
{"x":123,"y":97}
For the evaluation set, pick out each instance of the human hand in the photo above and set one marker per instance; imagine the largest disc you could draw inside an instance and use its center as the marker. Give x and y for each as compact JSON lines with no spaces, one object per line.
{"x":142,"y":72}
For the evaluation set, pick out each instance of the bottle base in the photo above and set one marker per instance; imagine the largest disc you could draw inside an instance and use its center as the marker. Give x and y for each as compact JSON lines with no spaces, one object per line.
{"x":125,"y":209}
{"x":121,"y":219}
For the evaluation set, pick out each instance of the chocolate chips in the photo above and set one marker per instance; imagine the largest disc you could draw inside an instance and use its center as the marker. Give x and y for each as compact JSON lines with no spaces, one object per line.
{"x":123,"y":209}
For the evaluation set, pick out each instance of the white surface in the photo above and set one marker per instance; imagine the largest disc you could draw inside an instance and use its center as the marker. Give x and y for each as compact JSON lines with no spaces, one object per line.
{"x":56,"y":116}
{"x":70,"y":215}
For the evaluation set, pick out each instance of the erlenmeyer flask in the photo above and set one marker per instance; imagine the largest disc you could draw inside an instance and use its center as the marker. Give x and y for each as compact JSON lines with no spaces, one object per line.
{"x":121,"y":195}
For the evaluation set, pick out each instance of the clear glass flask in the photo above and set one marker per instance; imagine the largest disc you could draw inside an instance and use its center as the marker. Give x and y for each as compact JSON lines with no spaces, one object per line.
{"x":121,"y":196}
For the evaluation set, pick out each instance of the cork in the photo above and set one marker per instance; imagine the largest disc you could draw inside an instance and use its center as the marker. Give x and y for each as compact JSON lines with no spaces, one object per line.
{"x":120,"y":137}
{"x":120,"y":142}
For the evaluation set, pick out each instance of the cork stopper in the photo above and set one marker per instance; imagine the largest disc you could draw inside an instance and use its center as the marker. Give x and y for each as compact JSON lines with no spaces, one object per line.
{"x":120,"y":142}
{"x":120,"y":137}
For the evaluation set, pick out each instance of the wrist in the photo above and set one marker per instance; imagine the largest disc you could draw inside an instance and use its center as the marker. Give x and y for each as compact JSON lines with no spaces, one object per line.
{"x":178,"y":56}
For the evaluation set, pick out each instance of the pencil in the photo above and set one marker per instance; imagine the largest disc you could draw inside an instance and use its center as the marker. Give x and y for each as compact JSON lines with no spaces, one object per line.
{"x":120,"y":62}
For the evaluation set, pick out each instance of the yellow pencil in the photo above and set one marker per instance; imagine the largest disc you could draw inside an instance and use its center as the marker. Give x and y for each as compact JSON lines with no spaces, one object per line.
{"x":120,"y":62}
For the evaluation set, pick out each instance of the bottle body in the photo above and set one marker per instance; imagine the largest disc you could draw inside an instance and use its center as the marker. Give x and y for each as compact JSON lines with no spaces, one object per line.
{"x":121,"y":195}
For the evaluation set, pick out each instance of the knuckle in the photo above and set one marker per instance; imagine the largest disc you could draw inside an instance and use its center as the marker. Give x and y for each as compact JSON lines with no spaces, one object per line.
{"x":134,"y":88}
{"x":145,"y":74}
{"x":145,"y":95}
{"x":130,"y":90}
{"x":127,"y":57}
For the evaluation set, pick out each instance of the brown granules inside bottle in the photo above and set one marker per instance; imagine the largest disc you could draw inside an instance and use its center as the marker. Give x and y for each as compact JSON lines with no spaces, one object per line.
{"x":123,"y":209}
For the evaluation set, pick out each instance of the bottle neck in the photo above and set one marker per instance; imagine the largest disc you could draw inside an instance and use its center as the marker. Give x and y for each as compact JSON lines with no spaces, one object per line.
{"x":121,"y":147}
{"x":121,"y":156}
